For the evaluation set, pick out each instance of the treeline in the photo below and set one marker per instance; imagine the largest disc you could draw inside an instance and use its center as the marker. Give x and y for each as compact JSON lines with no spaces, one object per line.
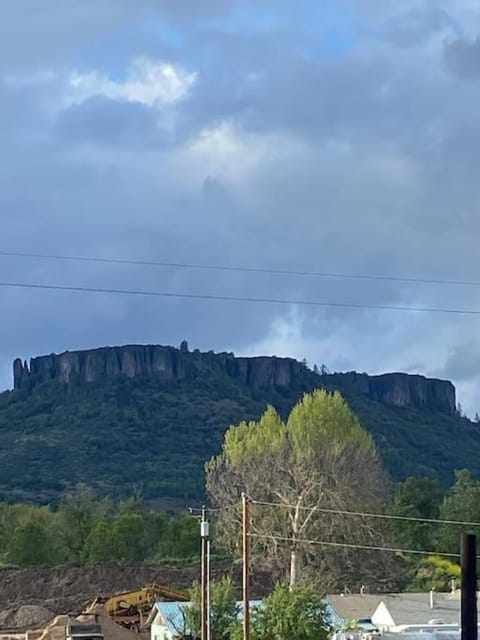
{"x":85,"y":531}
{"x":426,"y":499}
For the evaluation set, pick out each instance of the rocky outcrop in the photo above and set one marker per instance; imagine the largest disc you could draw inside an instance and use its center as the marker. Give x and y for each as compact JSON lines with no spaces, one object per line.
{"x":400,"y":389}
{"x":168,"y":365}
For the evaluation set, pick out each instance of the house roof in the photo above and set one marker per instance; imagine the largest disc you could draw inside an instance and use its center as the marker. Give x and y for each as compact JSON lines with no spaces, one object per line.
{"x":173,"y":614}
{"x":173,"y":617}
{"x":351,"y":606}
{"x":414,"y":608}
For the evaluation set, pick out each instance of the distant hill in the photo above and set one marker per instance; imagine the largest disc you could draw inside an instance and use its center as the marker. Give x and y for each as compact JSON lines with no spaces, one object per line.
{"x":150,"y":416}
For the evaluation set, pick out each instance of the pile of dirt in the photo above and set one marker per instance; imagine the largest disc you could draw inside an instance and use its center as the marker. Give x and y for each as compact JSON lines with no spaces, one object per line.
{"x":24,"y":617}
{"x":56,"y":630}
{"x":72,"y":589}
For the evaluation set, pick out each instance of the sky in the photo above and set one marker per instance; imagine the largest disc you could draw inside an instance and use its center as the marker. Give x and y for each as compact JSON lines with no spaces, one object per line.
{"x":336,"y":136}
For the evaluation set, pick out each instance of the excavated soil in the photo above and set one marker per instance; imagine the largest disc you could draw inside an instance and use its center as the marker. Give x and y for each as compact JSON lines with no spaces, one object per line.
{"x":24,"y":617}
{"x":71,"y":589}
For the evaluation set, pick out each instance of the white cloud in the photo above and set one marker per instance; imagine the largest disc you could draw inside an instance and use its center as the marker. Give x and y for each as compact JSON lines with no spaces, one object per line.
{"x":147,"y":82}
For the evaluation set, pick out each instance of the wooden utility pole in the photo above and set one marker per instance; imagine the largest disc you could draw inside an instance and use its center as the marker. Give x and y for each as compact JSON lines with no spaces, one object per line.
{"x":246,"y":569}
{"x":469,"y":587}
{"x":204,"y":576}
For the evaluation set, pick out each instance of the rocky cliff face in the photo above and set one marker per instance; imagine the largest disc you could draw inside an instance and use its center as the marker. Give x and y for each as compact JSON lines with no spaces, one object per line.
{"x":168,"y":364}
{"x":400,"y":389}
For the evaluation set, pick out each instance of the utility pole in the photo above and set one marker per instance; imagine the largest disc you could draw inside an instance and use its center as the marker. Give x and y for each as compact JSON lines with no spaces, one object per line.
{"x":468,"y":554}
{"x":204,"y":575}
{"x":208,"y":590}
{"x":246,"y":569}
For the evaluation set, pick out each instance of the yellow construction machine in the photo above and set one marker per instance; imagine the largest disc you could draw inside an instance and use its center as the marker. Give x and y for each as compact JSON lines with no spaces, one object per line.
{"x":131,"y":608}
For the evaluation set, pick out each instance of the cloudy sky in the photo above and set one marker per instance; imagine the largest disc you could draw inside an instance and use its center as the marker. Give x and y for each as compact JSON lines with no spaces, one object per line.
{"x":339,"y":136}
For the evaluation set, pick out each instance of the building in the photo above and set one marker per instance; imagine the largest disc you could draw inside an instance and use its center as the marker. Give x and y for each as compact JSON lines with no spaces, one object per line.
{"x":430,"y":609}
{"x":167,"y":619}
{"x":386,"y":612}
{"x":345,"y":609}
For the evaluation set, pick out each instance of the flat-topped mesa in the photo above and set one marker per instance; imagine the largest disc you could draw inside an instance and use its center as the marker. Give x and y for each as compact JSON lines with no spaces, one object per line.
{"x":167,"y":365}
{"x":400,"y":389}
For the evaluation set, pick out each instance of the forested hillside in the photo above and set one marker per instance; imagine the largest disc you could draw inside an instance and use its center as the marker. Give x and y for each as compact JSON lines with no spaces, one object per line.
{"x":122,"y":432}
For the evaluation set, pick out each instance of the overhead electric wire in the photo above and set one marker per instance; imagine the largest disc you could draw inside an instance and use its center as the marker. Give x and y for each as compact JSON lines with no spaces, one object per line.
{"x":241,"y":269}
{"x":347,"y":545}
{"x":361,"y":514}
{"x":201,"y":296}
{"x":227,"y":507}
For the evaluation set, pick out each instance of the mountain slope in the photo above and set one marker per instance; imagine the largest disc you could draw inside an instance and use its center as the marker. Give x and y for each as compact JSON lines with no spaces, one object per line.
{"x":137,"y":427}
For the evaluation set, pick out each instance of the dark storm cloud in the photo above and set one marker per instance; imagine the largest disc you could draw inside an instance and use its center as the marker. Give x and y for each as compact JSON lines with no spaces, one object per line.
{"x":276,"y":155}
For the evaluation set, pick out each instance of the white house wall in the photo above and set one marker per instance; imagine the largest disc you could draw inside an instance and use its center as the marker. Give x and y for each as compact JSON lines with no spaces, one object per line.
{"x":159,"y":632}
{"x":382,"y":618}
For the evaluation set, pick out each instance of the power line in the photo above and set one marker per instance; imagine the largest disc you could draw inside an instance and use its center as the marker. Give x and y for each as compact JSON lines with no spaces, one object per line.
{"x":199,"y":510}
{"x":366,"y":515}
{"x":347,"y":545}
{"x":258,"y":270}
{"x":194,"y":510}
{"x":200,"y":296}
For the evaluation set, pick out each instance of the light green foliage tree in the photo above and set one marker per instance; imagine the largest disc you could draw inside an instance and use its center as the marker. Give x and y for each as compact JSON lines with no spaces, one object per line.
{"x":320,"y":458}
{"x":462,"y":503}
{"x":416,"y":498}
{"x":223,"y":610}
{"x":286,"y":614}
{"x":436,"y":573}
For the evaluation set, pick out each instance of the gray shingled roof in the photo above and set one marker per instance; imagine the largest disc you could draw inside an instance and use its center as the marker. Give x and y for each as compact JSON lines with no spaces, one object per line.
{"x":405,"y":608}
{"x":414,"y":608}
{"x":354,"y":606}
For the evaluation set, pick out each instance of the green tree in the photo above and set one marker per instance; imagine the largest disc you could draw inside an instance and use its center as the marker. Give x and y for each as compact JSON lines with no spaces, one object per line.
{"x":32,"y":544}
{"x":129,"y":538}
{"x":121,"y":539}
{"x":319,"y":459}
{"x":436,"y":573}
{"x":157,"y":536}
{"x":416,"y":498}
{"x":286,"y":614}
{"x":77,"y":515}
{"x":99,"y":543}
{"x":184,"y":537}
{"x":223,"y":610}
{"x":135,"y":503}
{"x":462,"y":503}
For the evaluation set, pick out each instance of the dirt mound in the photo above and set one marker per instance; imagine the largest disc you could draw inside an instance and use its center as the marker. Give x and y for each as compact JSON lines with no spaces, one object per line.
{"x":25,"y":617}
{"x":71,"y":589}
